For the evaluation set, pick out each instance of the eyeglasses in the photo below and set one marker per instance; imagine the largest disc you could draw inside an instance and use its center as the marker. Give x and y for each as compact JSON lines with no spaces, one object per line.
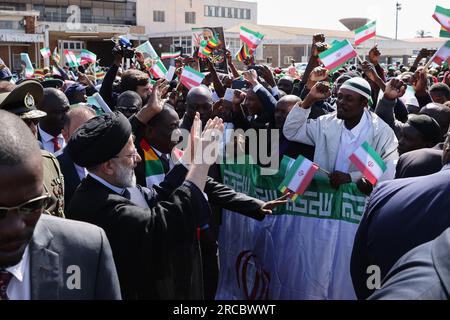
{"x":135,"y":154}
{"x":27,"y":208}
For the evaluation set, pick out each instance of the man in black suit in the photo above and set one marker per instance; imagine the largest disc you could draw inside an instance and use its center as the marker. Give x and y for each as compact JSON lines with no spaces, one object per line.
{"x":73,"y":174}
{"x":419,"y":162}
{"x":44,"y":257}
{"x":400,"y":215}
{"x":423,"y":273}
{"x":143,"y":225}
{"x":158,"y":136}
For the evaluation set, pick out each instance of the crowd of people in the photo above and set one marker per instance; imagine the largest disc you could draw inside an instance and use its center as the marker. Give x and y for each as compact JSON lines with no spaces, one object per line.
{"x":106,"y":191}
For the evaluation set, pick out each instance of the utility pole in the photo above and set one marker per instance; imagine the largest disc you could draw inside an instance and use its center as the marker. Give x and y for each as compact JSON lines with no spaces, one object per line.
{"x":397,"y":9}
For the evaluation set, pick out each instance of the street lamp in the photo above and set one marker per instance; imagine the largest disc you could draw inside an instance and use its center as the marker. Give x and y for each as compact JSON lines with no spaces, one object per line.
{"x":398,"y":8}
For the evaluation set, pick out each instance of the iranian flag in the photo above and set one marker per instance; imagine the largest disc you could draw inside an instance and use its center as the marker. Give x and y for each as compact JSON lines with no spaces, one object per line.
{"x":158,"y":70}
{"x":88,"y":56}
{"x":367,"y":160}
{"x":55,"y":55}
{"x":337,"y":55}
{"x":442,"y":16}
{"x":191,"y":78}
{"x":365,"y":32}
{"x":443,"y":54}
{"x":251,"y":38}
{"x":299,"y":177}
{"x":170,"y":55}
{"x":45,"y":53}
{"x":71,"y":58}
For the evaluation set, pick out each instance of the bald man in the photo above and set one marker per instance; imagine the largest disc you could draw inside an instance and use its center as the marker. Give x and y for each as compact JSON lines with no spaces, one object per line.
{"x":199,"y":99}
{"x":40,"y":254}
{"x":73,"y":174}
{"x":56,"y":105}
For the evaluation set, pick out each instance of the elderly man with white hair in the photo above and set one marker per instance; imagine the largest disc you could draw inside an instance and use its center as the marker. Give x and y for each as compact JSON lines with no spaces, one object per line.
{"x":337,"y":135}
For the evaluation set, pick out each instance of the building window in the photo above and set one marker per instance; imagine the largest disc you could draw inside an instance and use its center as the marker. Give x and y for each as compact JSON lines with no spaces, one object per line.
{"x":216,"y":11}
{"x":190,"y":17}
{"x":233,"y":44}
{"x":158,"y":16}
{"x":235,"y":13}
{"x":185,"y":43}
{"x":248,"y":14}
{"x":287,"y":59}
{"x":269,"y":60}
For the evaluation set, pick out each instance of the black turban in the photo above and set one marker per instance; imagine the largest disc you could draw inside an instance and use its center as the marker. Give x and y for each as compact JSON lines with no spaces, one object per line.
{"x":99,"y":139}
{"x":427,"y":126}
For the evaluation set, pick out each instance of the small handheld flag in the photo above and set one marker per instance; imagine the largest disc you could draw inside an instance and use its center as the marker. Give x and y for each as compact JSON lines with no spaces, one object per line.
{"x":45,"y":52}
{"x":243,"y":53}
{"x":337,"y":55}
{"x":29,"y":70}
{"x":442,"y":16}
{"x":368,"y":161}
{"x":158,"y":70}
{"x":170,"y":55}
{"x":443,"y":54}
{"x":191,"y":78}
{"x":71,"y":58}
{"x":88,"y":56}
{"x":250,"y":37}
{"x":365,"y":33}
{"x":55,"y":55}
{"x":299,"y":177}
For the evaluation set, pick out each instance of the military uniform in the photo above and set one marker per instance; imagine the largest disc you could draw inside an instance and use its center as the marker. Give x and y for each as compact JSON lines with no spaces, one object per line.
{"x":54,"y":183}
{"x":22,"y":101}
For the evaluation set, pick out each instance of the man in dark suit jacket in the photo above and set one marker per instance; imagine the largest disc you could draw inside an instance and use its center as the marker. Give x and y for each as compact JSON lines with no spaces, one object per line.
{"x":419,"y":162}
{"x":423,"y":273}
{"x":73,"y":174}
{"x":157,"y":136}
{"x":44,"y":257}
{"x":400,"y":215}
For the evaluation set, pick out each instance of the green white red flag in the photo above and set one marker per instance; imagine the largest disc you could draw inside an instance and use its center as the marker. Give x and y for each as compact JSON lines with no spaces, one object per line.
{"x":365,"y":33}
{"x":337,"y":55}
{"x":369,"y":162}
{"x":444,"y":33}
{"x":191,"y":78}
{"x":158,"y":70}
{"x":88,"y":56}
{"x":250,"y":37}
{"x":170,"y":55}
{"x":45,"y":53}
{"x":299,"y":177}
{"x":442,"y":16}
{"x":56,"y":57}
{"x":443,"y":54}
{"x":71,"y":58}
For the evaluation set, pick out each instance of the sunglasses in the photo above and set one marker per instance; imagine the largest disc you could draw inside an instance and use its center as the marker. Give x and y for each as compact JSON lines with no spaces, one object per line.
{"x":29,"y":207}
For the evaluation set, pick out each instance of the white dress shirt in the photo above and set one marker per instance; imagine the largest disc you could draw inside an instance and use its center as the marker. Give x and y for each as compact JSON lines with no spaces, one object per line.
{"x":82,"y":172}
{"x":19,"y":287}
{"x":47,"y":140}
{"x":136,"y":196}
{"x":350,"y":141}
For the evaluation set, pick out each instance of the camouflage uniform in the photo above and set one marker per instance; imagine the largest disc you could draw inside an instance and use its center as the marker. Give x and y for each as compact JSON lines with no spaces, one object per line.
{"x":54,"y":184}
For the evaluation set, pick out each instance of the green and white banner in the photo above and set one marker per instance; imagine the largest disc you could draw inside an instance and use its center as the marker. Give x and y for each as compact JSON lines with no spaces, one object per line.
{"x":302,"y":251}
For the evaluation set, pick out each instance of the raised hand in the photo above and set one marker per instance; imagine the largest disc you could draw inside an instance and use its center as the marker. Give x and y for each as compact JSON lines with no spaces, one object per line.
{"x":374,"y":55}
{"x":251,"y":76}
{"x":270,"y":205}
{"x":394,"y":89}
{"x":318,"y":74}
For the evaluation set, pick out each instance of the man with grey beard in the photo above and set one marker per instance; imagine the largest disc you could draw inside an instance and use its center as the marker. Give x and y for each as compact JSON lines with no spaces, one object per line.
{"x":144,"y":226}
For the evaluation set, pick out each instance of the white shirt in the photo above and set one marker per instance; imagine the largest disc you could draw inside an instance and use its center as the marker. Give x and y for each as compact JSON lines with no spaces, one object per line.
{"x":350,"y":141}
{"x":136,"y":196}
{"x":82,"y":172}
{"x":47,"y":140}
{"x":19,"y":287}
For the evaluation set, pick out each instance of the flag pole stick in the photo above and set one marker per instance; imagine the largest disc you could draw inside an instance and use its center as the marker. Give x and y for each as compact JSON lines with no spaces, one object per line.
{"x":430,"y":61}
{"x":324,"y":171}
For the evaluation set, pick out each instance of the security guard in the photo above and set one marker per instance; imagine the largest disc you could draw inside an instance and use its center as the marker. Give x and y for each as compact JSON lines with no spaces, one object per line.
{"x":22,"y":101}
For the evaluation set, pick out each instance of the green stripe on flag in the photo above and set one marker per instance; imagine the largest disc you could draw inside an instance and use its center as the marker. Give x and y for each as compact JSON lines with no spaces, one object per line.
{"x":366,"y":146}
{"x":444,"y":33}
{"x":367,"y":26}
{"x":442,"y":11}
{"x":192,"y":70}
{"x":335,"y":48}
{"x":255,"y":33}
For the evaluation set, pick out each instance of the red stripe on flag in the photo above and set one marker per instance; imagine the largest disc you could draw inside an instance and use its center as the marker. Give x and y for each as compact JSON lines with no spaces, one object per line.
{"x":342,"y":60}
{"x":361,"y":167}
{"x":366,"y":37}
{"x":307,"y":180}
{"x":189,"y":83}
{"x":250,"y":44}
{"x":437,"y":20}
